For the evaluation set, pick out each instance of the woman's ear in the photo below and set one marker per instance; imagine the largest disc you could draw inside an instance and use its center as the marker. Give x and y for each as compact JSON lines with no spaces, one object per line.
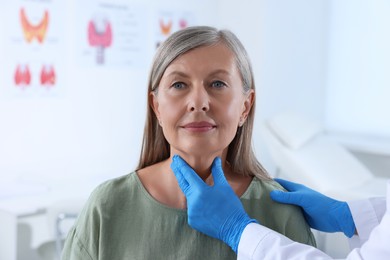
{"x":247,"y":106}
{"x":153,"y":101}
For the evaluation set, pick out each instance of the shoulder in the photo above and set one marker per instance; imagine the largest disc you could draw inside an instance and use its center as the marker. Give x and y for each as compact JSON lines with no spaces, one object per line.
{"x":115,"y":183}
{"x":83,"y":239}
{"x":114,"y":189}
{"x":268,"y":184}
{"x":260,"y":188}
{"x":286,"y":219}
{"x":258,"y":193}
{"x":110,"y":195}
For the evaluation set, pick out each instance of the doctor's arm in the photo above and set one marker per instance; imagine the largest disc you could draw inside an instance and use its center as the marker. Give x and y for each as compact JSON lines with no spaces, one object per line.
{"x":370,"y":217}
{"x":321,"y":211}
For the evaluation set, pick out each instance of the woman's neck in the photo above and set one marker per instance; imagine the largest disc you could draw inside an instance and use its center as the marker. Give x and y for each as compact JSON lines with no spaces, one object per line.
{"x":201,"y":164}
{"x":159,"y":180}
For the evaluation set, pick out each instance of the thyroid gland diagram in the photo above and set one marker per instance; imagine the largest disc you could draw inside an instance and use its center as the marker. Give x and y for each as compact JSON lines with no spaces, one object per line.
{"x":31,"y":31}
{"x":99,"y":36}
{"x":183,"y":24}
{"x":165,"y":28}
{"x":22,"y":76}
{"x":48,"y":76}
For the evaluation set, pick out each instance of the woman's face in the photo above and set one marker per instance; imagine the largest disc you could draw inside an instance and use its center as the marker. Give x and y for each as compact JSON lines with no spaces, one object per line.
{"x":200,"y":101}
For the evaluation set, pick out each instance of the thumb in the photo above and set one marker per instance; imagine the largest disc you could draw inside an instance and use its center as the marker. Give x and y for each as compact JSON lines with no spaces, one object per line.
{"x":184,"y":186}
{"x":217,"y":172}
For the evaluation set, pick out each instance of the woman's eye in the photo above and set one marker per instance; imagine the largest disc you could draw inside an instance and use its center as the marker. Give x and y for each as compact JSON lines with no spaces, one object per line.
{"x":218,"y":84}
{"x":178,"y":85}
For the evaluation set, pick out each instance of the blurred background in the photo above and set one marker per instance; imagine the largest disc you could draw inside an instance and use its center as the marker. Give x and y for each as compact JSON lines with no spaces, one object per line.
{"x":73,"y":78}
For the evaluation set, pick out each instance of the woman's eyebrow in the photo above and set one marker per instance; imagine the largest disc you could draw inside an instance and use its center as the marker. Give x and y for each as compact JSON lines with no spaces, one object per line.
{"x":184,"y":75}
{"x":220,"y":71}
{"x":177,"y":73}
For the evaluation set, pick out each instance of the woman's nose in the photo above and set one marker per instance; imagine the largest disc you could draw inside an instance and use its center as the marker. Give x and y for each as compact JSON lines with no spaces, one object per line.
{"x":198,"y":100}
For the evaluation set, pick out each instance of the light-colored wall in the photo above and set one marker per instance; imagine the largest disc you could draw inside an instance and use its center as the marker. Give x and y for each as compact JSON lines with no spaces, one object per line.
{"x":358,"y":79}
{"x":358,"y":91}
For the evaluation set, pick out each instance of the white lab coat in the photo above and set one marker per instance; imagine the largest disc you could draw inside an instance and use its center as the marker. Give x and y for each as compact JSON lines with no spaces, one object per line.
{"x":372,"y":222}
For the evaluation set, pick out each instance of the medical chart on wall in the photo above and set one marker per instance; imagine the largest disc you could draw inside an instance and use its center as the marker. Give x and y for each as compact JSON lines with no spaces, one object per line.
{"x":167,"y":22}
{"x":33,"y":45}
{"x":110,"y":34}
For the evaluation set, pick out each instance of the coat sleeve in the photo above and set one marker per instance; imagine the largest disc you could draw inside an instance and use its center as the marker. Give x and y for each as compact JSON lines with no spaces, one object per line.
{"x":259,"y":242}
{"x":366,"y":214}
{"x":377,"y":245}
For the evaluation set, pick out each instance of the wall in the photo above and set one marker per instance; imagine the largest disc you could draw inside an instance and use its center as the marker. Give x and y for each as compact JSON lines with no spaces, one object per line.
{"x":358,"y":80}
{"x":358,"y":68}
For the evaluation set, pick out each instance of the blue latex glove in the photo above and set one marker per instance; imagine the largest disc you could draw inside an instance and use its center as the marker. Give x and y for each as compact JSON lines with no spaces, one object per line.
{"x":321,"y":212}
{"x":213,"y":210}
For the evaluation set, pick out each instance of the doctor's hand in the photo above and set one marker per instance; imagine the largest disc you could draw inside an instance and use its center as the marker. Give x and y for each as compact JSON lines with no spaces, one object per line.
{"x":321,"y":212}
{"x":213,"y":210}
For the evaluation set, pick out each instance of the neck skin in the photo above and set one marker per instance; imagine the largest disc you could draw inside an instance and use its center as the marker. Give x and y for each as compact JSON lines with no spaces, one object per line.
{"x":160,"y":181}
{"x":201,"y":163}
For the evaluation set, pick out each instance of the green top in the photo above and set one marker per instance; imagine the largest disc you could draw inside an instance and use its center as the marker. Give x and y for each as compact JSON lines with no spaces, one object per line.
{"x":121,"y":220}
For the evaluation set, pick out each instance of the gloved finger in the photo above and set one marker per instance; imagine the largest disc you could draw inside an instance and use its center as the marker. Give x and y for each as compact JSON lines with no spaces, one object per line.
{"x":288,"y":197}
{"x":289,"y":185}
{"x":183,"y":184}
{"x":217,"y":172}
{"x":188,"y":173}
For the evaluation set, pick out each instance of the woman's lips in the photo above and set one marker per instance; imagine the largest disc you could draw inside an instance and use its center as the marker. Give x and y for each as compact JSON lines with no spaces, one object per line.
{"x":199,"y":127}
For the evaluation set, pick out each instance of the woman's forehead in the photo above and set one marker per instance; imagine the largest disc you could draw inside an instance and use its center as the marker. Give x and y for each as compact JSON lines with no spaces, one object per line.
{"x":214,"y":59}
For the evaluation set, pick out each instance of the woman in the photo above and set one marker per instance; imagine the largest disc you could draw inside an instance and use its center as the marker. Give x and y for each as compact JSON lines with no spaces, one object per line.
{"x":201,"y":105}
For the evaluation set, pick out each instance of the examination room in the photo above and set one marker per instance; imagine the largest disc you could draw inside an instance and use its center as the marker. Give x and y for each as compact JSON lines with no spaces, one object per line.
{"x":107,"y":128}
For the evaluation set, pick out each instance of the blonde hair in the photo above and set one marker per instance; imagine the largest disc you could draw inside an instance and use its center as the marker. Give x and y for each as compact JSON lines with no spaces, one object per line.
{"x":155,"y":147}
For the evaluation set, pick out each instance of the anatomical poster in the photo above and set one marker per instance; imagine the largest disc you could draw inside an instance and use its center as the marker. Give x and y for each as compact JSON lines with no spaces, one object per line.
{"x":167,"y":22}
{"x":110,"y":34}
{"x":33,"y":48}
